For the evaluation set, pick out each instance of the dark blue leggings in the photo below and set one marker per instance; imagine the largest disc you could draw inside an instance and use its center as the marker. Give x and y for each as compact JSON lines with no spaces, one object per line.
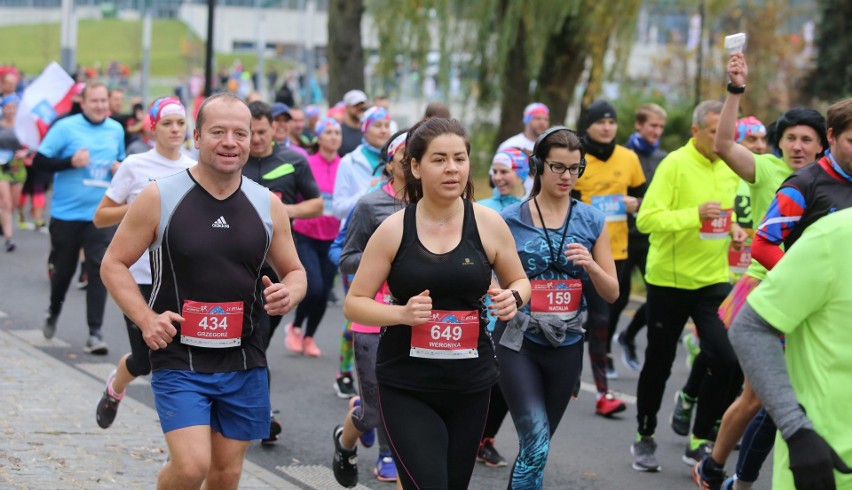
{"x":320,"y":271}
{"x":537,"y":383}
{"x":756,"y":445}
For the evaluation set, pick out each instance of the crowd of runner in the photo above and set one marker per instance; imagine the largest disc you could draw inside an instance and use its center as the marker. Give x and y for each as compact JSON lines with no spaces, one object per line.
{"x":457,"y":312}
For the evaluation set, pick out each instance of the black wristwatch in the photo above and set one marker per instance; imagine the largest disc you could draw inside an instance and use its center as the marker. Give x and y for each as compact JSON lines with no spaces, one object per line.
{"x":518,"y":300}
{"x":734,"y":89}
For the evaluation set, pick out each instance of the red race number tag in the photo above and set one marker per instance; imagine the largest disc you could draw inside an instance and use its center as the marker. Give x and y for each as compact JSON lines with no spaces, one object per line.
{"x":447,"y":335}
{"x":719,"y":228}
{"x":739,"y":260}
{"x":215,"y":325}
{"x":556,"y":297}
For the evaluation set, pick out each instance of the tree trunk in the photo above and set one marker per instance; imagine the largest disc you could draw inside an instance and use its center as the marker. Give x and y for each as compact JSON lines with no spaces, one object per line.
{"x":514,"y":88}
{"x":345,"y":53}
{"x":594,"y":85}
{"x":561,"y":68}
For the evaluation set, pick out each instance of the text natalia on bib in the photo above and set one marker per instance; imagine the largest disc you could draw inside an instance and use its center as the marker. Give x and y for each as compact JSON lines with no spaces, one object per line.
{"x":556,"y":297}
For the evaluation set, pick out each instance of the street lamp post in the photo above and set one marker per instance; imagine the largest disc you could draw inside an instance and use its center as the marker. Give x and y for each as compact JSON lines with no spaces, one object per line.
{"x":146,"y":50}
{"x":208,"y":62}
{"x":68,"y":37}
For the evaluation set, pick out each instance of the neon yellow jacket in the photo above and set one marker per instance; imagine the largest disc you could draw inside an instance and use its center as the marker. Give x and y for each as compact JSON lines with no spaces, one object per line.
{"x":679,"y":257}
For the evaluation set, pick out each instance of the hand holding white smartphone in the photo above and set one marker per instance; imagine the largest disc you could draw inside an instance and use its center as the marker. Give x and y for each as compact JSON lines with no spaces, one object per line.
{"x":735,"y":43}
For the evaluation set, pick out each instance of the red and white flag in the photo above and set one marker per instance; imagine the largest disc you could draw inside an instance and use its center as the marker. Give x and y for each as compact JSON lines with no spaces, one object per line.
{"x":46,"y":98}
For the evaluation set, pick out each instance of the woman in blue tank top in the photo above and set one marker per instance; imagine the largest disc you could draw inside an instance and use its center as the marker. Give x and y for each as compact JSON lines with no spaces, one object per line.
{"x":435,"y":362}
{"x":564,"y":248}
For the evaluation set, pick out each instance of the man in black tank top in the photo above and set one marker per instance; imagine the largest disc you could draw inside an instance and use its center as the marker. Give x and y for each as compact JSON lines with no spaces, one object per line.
{"x":209,"y":231}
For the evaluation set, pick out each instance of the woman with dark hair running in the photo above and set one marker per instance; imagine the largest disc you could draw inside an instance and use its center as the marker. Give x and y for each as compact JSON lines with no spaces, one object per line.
{"x":564,"y":246}
{"x":435,"y":363}
{"x":363,"y":417}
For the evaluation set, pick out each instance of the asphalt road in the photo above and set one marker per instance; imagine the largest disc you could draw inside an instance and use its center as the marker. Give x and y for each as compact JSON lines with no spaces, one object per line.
{"x":587,"y":452}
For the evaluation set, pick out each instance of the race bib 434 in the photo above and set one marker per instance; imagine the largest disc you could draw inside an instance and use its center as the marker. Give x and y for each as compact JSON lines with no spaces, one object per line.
{"x":214,"y":325}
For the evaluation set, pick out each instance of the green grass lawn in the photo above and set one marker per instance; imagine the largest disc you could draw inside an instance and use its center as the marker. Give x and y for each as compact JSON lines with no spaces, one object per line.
{"x":174,"y":49}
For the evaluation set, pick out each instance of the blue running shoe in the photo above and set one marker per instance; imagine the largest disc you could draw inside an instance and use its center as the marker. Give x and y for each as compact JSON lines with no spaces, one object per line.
{"x":385,"y":469}
{"x":367,"y":438}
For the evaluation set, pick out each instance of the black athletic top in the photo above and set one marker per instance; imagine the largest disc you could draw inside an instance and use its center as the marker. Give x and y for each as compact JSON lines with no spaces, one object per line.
{"x":457,"y":281}
{"x":210,"y":250}
{"x":807,"y":195}
{"x":284,"y":172}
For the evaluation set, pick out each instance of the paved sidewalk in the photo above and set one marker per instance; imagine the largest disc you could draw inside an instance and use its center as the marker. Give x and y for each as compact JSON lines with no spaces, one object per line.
{"x":49,"y":438}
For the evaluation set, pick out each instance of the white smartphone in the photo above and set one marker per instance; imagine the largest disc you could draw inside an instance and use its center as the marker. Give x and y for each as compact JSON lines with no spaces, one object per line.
{"x":735,"y":43}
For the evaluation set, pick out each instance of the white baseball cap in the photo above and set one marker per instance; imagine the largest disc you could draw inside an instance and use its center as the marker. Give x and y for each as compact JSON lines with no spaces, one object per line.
{"x":354,"y":97}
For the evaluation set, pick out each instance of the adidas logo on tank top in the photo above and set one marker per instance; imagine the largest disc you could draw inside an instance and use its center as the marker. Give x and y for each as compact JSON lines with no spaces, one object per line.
{"x":221,"y":223}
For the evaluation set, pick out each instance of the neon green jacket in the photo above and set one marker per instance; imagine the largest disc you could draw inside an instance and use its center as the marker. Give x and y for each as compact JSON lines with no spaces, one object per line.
{"x":679,"y":257}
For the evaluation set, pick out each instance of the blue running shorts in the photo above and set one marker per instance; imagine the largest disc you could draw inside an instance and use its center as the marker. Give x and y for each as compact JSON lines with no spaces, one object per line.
{"x":235,"y":404}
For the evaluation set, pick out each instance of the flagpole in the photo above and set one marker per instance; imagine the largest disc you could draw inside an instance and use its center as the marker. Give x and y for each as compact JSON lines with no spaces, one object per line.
{"x":146,"y":51}
{"x":68,"y":37}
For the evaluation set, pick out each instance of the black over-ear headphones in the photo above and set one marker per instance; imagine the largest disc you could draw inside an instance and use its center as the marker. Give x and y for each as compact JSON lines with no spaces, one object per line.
{"x":537,"y":161}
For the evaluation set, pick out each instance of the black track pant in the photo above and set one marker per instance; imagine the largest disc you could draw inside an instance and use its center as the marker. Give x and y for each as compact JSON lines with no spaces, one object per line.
{"x":668,"y":311}
{"x":67,"y":238}
{"x":637,"y":257}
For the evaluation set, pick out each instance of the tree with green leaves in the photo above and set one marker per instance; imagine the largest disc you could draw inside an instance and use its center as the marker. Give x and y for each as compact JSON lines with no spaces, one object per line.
{"x":521,"y":51}
{"x":832,"y":76}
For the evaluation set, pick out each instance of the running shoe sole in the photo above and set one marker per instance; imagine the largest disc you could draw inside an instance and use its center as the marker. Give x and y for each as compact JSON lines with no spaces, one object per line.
{"x":99,"y":349}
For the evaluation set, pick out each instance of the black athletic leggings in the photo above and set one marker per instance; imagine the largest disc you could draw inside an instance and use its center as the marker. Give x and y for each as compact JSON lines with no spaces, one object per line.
{"x":668,"y":311}
{"x":434,"y":437}
{"x":138,"y":362}
{"x":637,"y":257}
{"x":538,"y":383}
{"x":597,"y":333}
{"x":623,"y":269}
{"x":497,"y":411}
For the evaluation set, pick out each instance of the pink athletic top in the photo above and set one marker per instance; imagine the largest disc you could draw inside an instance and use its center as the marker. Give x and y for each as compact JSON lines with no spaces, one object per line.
{"x":327,"y":226}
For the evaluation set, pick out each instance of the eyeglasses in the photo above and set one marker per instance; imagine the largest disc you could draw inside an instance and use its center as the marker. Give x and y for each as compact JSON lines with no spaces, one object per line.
{"x":560,"y":168}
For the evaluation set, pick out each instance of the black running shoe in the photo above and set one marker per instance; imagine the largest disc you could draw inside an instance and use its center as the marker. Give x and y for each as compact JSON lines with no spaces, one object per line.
{"x":681,"y":419}
{"x":344,"y":386}
{"x":707,"y":475}
{"x":274,"y":432}
{"x":49,"y":327}
{"x":107,"y":406}
{"x":488,"y":454}
{"x":628,"y":352}
{"x":345,"y":462}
